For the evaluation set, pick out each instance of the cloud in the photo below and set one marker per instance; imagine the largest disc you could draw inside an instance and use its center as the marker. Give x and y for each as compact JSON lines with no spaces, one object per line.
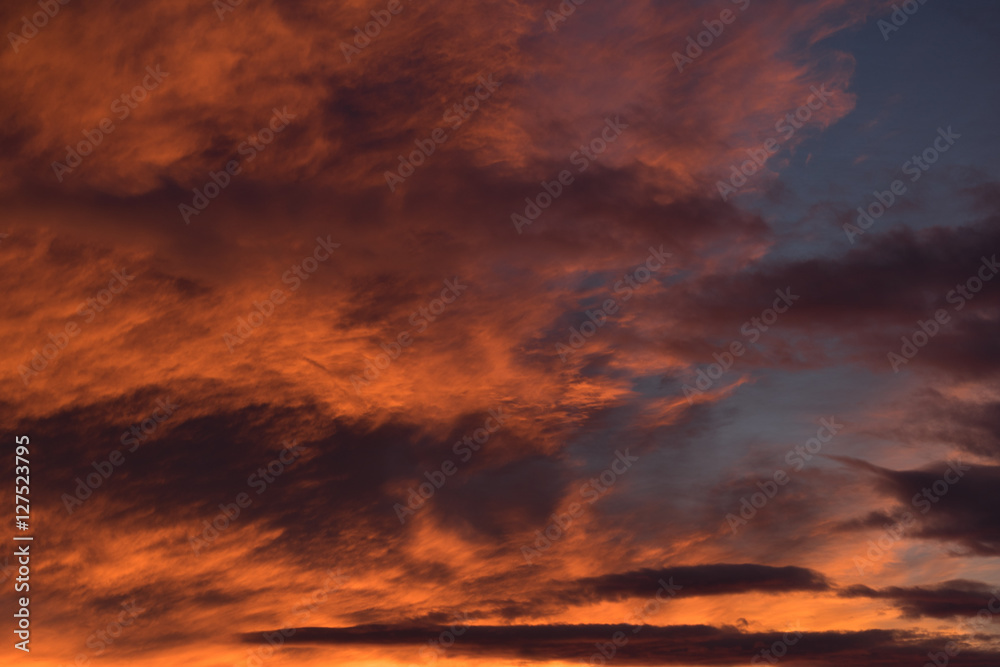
{"x":707,"y":579}
{"x":950,"y":599}
{"x":952,"y":502}
{"x":647,"y":645}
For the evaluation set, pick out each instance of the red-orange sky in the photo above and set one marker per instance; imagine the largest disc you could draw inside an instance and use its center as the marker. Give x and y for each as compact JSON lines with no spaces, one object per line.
{"x":522,"y":346}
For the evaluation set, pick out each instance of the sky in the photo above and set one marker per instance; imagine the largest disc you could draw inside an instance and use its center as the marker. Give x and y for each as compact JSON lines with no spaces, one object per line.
{"x":507,"y":333}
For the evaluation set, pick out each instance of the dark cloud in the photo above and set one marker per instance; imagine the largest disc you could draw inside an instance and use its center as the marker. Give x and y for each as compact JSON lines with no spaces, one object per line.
{"x":646,"y":645}
{"x":951,"y":502}
{"x":951,"y":599}
{"x":699,"y":580}
{"x":882,"y":289}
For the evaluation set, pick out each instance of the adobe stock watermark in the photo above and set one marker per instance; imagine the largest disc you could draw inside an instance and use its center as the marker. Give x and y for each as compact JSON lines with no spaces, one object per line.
{"x":779,"y":648}
{"x":625,"y":287}
{"x":138,"y":434}
{"x":219,"y":181}
{"x":914,"y":168}
{"x":978,"y":624}
{"x":363,"y":38}
{"x":100,"y":640}
{"x":606,"y":650}
{"x":30,"y":27}
{"x":333,"y":582}
{"x":421,"y":319}
{"x":455,"y":116}
{"x":223,"y":7}
{"x":294,"y":277}
{"x":752,"y":330}
{"x":464,"y":449}
{"x":984,"y":617}
{"x":900,"y":15}
{"x":260,"y":481}
{"x":445,"y":640}
{"x":786,"y":126}
{"x":581,"y":159}
{"x":61,"y":339}
{"x":927,"y":329}
{"x":714,"y":29}
{"x":796,"y":457}
{"x":922,"y":501}
{"x":565,"y":9}
{"x":122,"y":108}
{"x":941,"y":658}
{"x":595,"y":489}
